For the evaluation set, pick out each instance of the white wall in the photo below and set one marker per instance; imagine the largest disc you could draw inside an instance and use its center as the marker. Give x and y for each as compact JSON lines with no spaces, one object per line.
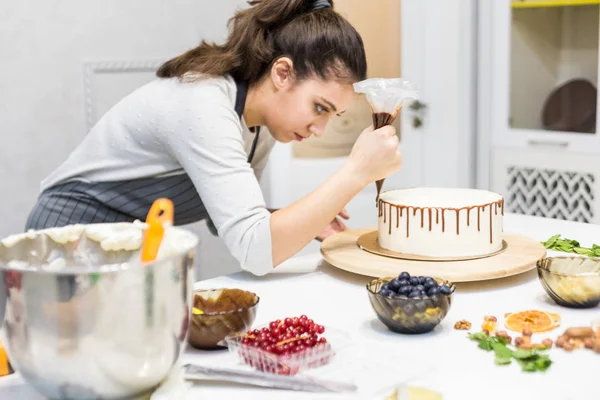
{"x":47,"y":101}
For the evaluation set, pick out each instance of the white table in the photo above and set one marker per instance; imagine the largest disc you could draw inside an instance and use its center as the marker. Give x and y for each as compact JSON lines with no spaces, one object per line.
{"x":443,"y":360}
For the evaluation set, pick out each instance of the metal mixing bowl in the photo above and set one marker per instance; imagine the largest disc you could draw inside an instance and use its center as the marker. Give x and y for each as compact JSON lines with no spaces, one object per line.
{"x":82,"y":318}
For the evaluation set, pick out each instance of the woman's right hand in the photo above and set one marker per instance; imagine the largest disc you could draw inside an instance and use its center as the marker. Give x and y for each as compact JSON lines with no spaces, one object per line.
{"x":375,"y":154}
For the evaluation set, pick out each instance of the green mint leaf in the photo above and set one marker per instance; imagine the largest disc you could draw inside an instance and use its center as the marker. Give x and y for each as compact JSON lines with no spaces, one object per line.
{"x":551,"y":242}
{"x":478,"y":336}
{"x":522,"y":354}
{"x":543,"y":363}
{"x":502,"y":360}
{"x":528,"y":366}
{"x":485,"y":345}
{"x":502,"y":351}
{"x":584,"y":251}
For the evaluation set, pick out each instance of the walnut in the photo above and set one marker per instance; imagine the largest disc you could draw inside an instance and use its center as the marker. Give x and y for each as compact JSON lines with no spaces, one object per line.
{"x":462,"y":325}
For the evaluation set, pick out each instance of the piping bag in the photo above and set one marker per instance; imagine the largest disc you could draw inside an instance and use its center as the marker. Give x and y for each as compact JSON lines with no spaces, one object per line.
{"x":386,"y":98}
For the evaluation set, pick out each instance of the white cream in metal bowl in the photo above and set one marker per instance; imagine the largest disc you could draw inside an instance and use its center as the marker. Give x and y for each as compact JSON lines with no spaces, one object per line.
{"x":83,"y":318}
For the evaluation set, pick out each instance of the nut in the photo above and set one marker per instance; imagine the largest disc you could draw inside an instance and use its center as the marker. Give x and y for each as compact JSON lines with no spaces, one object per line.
{"x":504,"y":335}
{"x":561,"y":341}
{"x":519,"y":341}
{"x":490,"y":318}
{"x":527,"y":332}
{"x":487,"y":333}
{"x":527,"y":346}
{"x":581,"y":332}
{"x":547,"y":343}
{"x":588,"y":343}
{"x":462,"y":325}
{"x":568,"y":346}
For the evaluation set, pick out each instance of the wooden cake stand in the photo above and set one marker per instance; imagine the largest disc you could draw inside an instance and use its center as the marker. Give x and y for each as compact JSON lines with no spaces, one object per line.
{"x":520,"y":255}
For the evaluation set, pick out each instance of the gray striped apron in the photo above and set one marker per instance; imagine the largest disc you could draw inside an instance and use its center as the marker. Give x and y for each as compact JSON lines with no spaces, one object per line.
{"x":77,"y":202}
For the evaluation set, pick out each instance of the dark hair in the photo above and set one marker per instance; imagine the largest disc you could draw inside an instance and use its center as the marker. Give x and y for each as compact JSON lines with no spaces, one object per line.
{"x":318,"y":40}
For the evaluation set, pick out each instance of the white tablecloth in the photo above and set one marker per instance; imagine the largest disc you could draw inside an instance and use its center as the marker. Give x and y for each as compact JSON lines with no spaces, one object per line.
{"x":443,"y":360}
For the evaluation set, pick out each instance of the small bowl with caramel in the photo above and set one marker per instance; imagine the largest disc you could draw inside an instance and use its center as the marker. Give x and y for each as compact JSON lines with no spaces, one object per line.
{"x":218,"y":313}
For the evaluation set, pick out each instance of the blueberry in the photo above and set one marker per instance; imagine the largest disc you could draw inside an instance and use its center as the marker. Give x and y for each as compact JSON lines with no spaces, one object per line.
{"x":420,"y":288}
{"x":394,"y":285}
{"x":422,"y":280}
{"x":423,"y":293}
{"x":405,"y":290}
{"x":433,"y":291}
{"x":403,"y":282}
{"x":428,"y":285}
{"x":414,"y":280}
{"x":404,"y":275}
{"x":445,"y":289}
{"x":385,"y":286}
{"x":387,"y":293}
{"x":414,"y":293}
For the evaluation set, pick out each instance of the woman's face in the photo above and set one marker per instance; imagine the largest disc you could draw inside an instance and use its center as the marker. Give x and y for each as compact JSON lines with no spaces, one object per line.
{"x":298,"y":110}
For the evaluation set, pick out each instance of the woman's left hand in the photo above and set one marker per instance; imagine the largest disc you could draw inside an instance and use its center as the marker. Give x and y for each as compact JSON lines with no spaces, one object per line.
{"x":334,"y":227}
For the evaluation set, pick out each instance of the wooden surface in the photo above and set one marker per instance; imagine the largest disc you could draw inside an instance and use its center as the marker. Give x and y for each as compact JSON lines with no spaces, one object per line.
{"x":520,"y":256}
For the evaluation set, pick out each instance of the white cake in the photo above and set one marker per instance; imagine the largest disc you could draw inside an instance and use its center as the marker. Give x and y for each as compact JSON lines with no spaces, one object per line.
{"x":441,"y":222}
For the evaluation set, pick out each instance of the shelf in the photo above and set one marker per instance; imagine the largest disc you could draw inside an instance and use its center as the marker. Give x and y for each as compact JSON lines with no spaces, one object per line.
{"x":553,"y":74}
{"x":564,"y":3}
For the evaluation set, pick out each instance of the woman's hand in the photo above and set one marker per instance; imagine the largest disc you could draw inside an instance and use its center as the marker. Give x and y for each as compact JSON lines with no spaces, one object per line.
{"x":334,"y":227}
{"x":375,"y":154}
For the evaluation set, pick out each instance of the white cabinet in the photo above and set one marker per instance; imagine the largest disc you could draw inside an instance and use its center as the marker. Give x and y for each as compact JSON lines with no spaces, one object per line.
{"x":538,"y":104}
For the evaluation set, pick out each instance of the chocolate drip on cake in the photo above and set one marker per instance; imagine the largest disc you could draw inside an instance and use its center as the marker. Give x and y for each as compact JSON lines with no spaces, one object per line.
{"x":386,"y":212}
{"x":457,"y":222}
{"x":390,"y":222}
{"x":491,"y":223}
{"x":443,"y":221}
{"x":429,"y":220}
{"x":407,"y":224}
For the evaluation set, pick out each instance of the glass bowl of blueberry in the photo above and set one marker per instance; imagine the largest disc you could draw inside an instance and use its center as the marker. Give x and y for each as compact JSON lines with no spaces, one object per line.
{"x":410,"y":304}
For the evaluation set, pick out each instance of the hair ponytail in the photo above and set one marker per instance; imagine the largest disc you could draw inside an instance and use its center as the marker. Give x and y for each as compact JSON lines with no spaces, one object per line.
{"x":319,"y":41}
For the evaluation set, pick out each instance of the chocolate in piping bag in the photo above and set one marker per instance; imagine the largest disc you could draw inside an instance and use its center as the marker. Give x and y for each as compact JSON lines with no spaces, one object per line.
{"x":386,"y":98}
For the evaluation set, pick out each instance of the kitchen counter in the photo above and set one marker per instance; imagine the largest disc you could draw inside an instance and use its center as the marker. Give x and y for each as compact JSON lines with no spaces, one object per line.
{"x":444,"y":360}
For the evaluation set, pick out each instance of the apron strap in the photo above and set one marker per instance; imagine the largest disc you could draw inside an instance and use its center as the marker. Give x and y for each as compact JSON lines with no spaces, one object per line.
{"x":240,"y":103}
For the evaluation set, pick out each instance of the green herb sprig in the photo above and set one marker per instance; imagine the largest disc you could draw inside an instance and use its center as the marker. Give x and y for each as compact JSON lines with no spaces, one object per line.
{"x":558,"y":243}
{"x":530,"y":360}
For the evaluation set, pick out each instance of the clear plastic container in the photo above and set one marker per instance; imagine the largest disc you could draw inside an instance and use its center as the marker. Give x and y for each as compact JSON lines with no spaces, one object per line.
{"x":292,"y":363}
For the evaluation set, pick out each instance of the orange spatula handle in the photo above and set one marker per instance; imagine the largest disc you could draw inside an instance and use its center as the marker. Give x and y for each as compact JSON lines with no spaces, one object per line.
{"x":160,"y":213}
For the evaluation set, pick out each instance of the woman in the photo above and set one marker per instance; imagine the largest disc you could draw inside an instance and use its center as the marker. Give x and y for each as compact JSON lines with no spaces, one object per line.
{"x":193,"y":135}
